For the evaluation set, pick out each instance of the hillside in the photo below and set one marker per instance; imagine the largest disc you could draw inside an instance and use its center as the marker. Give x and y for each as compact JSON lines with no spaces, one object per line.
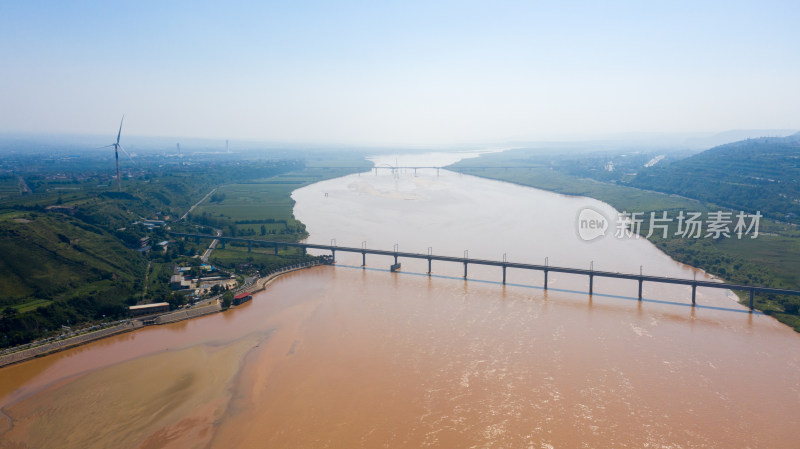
{"x":46,"y":255}
{"x":70,"y":242}
{"x":755,"y":174}
{"x":75,"y":249}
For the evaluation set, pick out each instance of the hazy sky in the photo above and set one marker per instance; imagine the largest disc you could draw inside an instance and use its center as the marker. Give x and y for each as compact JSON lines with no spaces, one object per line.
{"x":379,"y":72}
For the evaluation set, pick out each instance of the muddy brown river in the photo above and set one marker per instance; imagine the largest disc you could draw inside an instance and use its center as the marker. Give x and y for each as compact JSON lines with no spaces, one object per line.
{"x":349,"y":357}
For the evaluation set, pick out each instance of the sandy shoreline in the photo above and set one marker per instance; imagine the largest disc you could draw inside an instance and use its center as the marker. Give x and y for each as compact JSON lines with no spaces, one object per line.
{"x":153,"y":411}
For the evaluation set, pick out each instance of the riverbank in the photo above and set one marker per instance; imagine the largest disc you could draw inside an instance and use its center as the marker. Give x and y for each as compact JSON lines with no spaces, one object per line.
{"x":49,"y":348}
{"x":131,"y":325}
{"x":768,"y":260}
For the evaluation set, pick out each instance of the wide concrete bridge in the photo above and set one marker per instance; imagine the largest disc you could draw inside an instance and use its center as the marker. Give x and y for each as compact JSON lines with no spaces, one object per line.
{"x":504,"y":265}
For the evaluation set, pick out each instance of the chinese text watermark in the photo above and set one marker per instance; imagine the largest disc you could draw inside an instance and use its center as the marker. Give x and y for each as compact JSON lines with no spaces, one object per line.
{"x":715,"y":225}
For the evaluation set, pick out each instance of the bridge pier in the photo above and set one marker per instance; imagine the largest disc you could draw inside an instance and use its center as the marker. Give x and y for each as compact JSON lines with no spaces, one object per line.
{"x":504,"y":264}
{"x":437,"y":171}
{"x":364,"y":259}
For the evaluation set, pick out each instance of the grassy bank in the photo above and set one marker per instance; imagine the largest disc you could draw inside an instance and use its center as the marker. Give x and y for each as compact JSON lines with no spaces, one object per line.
{"x":261,"y":208}
{"x":771,"y":259}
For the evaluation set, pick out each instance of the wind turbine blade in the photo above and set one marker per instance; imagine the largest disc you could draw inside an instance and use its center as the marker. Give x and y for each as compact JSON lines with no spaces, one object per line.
{"x":107,"y":146}
{"x":126,"y":153}
{"x":120,"y":128}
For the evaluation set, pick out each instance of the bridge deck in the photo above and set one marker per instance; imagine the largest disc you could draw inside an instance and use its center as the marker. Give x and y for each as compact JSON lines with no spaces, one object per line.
{"x":525,"y":266}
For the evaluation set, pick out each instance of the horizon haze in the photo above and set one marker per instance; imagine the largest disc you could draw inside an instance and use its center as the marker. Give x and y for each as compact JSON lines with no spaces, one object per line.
{"x":398,"y":74}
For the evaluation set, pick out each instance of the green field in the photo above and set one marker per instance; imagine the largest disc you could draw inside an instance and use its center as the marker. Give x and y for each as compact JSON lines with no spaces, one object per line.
{"x":260,"y":201}
{"x":261,"y":259}
{"x":262,"y":208}
{"x":33,"y":305}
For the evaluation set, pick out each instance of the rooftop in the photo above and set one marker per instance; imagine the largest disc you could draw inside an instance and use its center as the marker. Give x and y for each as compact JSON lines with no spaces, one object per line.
{"x":148,"y":306}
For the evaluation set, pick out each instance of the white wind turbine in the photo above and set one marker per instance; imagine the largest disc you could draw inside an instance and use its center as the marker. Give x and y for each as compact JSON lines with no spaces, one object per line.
{"x":118,"y":147}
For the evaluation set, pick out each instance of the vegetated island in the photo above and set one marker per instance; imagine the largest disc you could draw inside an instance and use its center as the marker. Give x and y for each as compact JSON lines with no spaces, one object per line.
{"x":755,"y":175}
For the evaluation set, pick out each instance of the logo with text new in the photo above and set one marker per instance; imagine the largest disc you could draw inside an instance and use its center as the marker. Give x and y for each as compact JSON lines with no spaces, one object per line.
{"x":591,"y":224}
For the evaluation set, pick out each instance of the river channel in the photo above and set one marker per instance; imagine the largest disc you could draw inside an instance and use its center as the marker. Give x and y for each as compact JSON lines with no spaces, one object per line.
{"x":352,"y":356}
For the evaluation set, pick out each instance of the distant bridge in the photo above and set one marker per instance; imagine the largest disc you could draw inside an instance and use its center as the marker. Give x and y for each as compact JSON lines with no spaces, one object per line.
{"x":414,"y":168}
{"x":640,"y":278}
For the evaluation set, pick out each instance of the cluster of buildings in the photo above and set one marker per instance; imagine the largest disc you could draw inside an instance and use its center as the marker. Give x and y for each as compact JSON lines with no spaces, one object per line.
{"x":145,"y":244}
{"x":201,"y":280}
{"x":151,"y":224}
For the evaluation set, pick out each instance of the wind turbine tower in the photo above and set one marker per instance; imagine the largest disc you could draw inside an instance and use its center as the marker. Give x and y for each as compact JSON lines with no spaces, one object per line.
{"x":227,"y":150}
{"x":118,"y":147}
{"x":116,"y":154}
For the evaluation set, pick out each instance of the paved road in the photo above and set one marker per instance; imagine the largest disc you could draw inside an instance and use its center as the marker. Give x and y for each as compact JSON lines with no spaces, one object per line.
{"x":211,"y":247}
{"x":198,"y":203}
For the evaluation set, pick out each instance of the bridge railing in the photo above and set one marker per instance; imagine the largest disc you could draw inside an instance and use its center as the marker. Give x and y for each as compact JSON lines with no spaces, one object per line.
{"x":641,"y":278}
